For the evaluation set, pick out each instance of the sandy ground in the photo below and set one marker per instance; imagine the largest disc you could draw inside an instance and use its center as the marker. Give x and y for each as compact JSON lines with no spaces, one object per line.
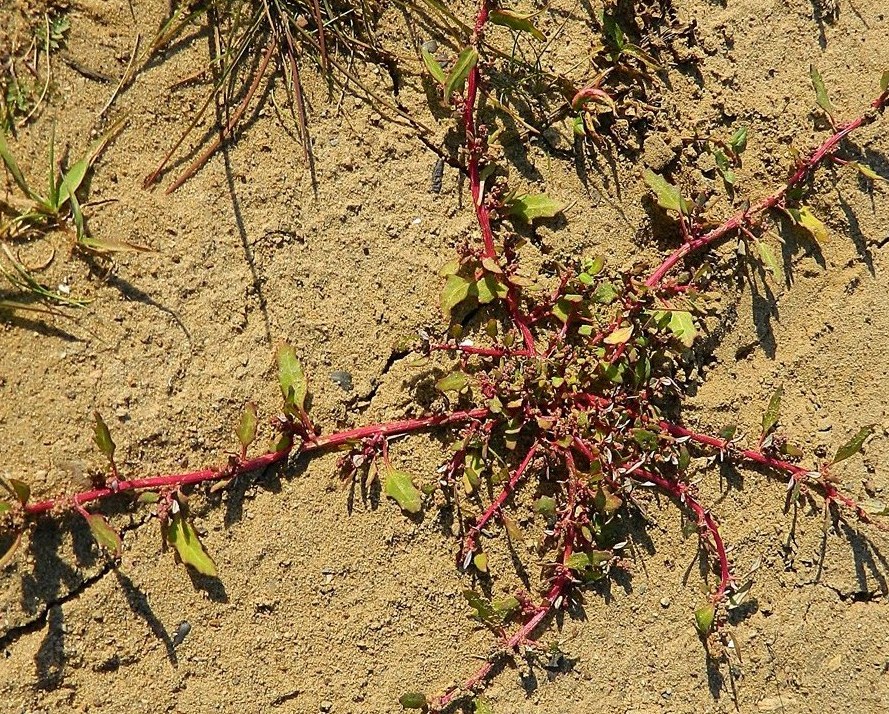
{"x":317,"y":608}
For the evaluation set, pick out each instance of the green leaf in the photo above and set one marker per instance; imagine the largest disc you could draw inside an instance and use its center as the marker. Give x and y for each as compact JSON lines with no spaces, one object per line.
{"x":482,"y":706}
{"x":14,"y":169}
{"x":605,"y":294}
{"x":433,"y":66}
{"x":489,"y":288}
{"x":724,"y":167}
{"x":513,"y":532}
{"x":545,"y":506}
{"x":104,"y":534}
{"x":398,"y":486}
{"x":820,"y":91}
{"x":453,"y":382}
{"x":682,"y":325}
{"x":460,"y":71}
{"x":484,"y":611}
{"x":480,"y":561}
{"x":455,"y":291}
{"x":246,"y":431}
{"x":19,"y":489}
{"x":148,"y":497}
{"x":102,"y":437}
{"x":505,"y":606}
{"x":668,"y":196}
{"x":71,"y":182}
{"x":180,"y":534}
{"x":867,"y":171}
{"x":884,"y":81}
{"x":413,"y":700}
{"x":292,"y":378}
{"x":773,"y":411}
{"x":738,"y":140}
{"x":806,"y":220}
{"x":528,"y":207}
{"x":853,"y":446}
{"x":619,"y":336}
{"x":646,"y":439}
{"x":704,"y":617}
{"x":516,"y":21}
{"x":5,"y":507}
{"x":768,"y":259}
{"x":104,"y":246}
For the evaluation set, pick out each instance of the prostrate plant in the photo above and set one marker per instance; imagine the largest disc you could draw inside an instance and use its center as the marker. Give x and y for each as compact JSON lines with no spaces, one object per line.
{"x":574,"y":394}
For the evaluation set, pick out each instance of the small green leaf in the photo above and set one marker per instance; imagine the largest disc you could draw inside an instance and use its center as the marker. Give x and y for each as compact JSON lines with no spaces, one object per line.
{"x":646,"y":439}
{"x":489,"y":288}
{"x":820,"y":91}
{"x":19,"y":489}
{"x":505,"y":606}
{"x":853,"y":446}
{"x":619,"y":336}
{"x":545,"y":506}
{"x":71,"y":182}
{"x":453,"y":382}
{"x":513,"y":532}
{"x":104,"y":534}
{"x":605,"y":294}
{"x":398,"y":486}
{"x":105,"y":246}
{"x":806,"y":220}
{"x":682,"y":325}
{"x":529,"y":207}
{"x":738,"y":140}
{"x":413,"y":700}
{"x":292,"y":378}
{"x":484,"y":611}
{"x":704,"y":617}
{"x":480,"y":561}
{"x":773,"y":411}
{"x":455,"y":291}
{"x":768,"y":259}
{"x":482,"y":706}
{"x":13,"y":168}
{"x":668,"y":196}
{"x":460,"y":71}
{"x":884,"y":81}
{"x":433,"y":66}
{"x":866,"y":171}
{"x":102,"y":437}
{"x":516,"y":21}
{"x":246,"y":431}
{"x":148,"y":497}
{"x":724,"y":167}
{"x":180,"y":534}
{"x":728,"y":432}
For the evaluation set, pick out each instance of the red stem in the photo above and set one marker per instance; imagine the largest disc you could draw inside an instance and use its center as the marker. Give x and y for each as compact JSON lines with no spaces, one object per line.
{"x":497,"y":503}
{"x":680,"y":492}
{"x":803,"y":172}
{"x":794,"y":470}
{"x":322,"y":443}
{"x":521,"y":635}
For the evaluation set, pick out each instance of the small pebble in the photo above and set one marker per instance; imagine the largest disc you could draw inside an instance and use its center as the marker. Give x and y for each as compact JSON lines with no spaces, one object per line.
{"x":342,"y":379}
{"x":665,"y":602}
{"x":181,"y":633}
{"x":326,"y":705}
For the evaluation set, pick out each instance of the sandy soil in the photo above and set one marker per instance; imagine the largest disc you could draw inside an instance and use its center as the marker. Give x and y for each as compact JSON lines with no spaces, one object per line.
{"x":317,"y":608}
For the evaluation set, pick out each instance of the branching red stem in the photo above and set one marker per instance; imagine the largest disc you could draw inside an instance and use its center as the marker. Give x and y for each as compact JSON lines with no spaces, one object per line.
{"x":803,"y":172}
{"x":321,"y":443}
{"x":497,"y":503}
